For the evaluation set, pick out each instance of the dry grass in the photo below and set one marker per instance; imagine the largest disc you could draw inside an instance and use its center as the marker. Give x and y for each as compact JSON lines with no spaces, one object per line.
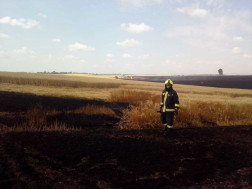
{"x":38,"y":116}
{"x":56,"y":83}
{"x":129,"y":96}
{"x":93,"y":110}
{"x":61,"y":92}
{"x":191,"y":114}
{"x":217,"y":93}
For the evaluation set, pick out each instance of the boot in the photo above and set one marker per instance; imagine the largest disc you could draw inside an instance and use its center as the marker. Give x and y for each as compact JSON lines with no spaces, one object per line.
{"x":169,"y":131}
{"x":165,"y":130}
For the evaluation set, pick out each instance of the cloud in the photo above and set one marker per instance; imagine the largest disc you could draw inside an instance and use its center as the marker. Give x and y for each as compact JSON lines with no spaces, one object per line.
{"x":78,"y":46}
{"x":69,"y":57}
{"x":56,"y":40}
{"x":129,"y":43}
{"x":83,"y":61}
{"x":109,"y":55}
{"x":247,"y":56}
{"x":21,"y":22}
{"x":42,"y":16}
{"x":238,"y":39}
{"x":137,"y":28}
{"x":2,"y":53}
{"x":140,"y":3}
{"x":197,"y":12}
{"x":3,"y":35}
{"x":23,"y":50}
{"x":126,"y":56}
{"x":215,"y":29}
{"x":110,"y":60}
{"x":145,"y":56}
{"x":17,"y":53}
{"x":236,"y":50}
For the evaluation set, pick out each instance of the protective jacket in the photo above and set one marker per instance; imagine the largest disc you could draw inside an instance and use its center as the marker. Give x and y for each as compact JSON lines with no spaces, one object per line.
{"x":170,"y":101}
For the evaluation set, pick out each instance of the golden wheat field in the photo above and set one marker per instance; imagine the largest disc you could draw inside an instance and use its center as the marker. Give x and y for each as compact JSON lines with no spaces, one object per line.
{"x":200,"y":106}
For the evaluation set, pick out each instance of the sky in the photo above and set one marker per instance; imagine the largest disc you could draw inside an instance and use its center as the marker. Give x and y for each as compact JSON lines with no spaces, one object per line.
{"x":165,"y":37}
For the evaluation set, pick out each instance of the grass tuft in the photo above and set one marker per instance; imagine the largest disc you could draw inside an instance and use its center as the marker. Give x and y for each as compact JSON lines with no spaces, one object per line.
{"x":38,"y":118}
{"x":143,"y":114}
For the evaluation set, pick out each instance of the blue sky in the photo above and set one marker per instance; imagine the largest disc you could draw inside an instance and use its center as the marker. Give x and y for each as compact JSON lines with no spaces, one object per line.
{"x":127,"y":36}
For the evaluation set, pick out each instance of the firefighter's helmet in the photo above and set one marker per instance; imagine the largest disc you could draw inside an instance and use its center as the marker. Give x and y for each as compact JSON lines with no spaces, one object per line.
{"x":168,"y":82}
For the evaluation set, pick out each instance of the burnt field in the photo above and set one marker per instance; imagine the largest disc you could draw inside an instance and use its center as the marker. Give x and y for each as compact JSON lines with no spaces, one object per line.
{"x":105,"y":158}
{"x":239,"y":82}
{"x":101,"y":156}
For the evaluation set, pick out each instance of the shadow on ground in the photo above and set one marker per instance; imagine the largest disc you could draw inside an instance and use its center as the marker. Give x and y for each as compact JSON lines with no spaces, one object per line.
{"x":14,"y":105}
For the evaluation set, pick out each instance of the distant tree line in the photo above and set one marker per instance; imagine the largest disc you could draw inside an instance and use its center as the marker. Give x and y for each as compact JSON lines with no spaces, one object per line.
{"x":54,"y":72}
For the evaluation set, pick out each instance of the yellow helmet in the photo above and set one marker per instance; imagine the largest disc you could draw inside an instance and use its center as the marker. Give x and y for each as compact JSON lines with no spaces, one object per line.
{"x":168,"y":82}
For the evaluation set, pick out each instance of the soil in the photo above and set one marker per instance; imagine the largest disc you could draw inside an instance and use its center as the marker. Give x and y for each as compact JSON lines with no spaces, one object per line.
{"x":239,"y":82}
{"x":101,"y":156}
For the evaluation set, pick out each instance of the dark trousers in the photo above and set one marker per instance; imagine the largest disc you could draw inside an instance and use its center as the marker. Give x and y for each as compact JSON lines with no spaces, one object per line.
{"x":167,"y":118}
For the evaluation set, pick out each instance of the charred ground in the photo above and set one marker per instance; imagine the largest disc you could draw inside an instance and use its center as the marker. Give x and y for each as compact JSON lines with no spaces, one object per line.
{"x":101,"y":156}
{"x":105,"y":158}
{"x":239,"y":82}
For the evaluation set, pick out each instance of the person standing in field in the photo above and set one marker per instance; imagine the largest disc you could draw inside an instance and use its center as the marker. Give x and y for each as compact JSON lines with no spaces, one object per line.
{"x":169,"y":106}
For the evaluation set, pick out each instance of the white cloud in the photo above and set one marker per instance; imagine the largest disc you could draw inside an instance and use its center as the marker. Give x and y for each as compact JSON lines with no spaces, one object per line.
{"x":69,"y":57}
{"x":126,"y":56}
{"x":215,"y":29}
{"x":137,"y":28}
{"x":18,"y":53}
{"x":2,"y":53}
{"x":3,"y":35}
{"x":23,"y":50}
{"x":83,"y":61}
{"x":78,"y":46}
{"x":109,"y":55}
{"x":193,"y":11}
{"x":140,"y":3}
{"x":238,"y":38}
{"x":56,"y":40}
{"x":236,"y":50}
{"x":145,"y":56}
{"x":42,"y":15}
{"x":110,"y":60}
{"x":247,"y":56}
{"x":21,"y":22}
{"x":129,"y":43}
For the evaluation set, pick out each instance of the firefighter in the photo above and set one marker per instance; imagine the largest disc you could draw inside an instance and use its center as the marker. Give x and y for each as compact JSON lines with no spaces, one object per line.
{"x":169,"y":106}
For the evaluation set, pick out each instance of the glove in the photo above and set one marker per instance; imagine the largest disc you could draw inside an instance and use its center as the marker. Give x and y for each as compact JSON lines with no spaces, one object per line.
{"x":176,"y":111}
{"x":161,"y":108}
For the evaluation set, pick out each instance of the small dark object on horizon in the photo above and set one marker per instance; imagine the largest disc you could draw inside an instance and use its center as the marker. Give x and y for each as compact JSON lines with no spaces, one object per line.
{"x":220,"y":71}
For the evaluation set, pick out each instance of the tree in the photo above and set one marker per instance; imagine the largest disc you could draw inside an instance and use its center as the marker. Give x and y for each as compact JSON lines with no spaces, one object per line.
{"x":220,"y":71}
